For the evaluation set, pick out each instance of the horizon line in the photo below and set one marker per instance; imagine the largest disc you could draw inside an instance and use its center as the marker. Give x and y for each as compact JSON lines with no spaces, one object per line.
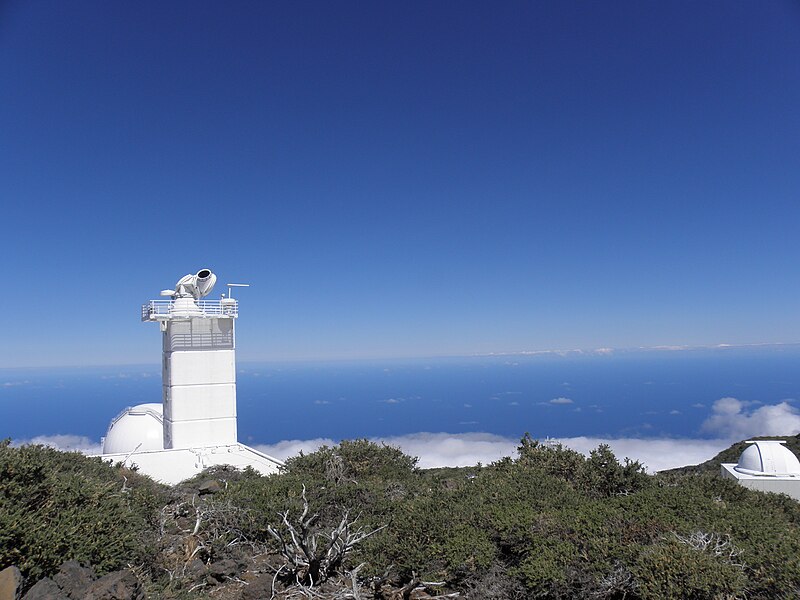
{"x":601,"y":351}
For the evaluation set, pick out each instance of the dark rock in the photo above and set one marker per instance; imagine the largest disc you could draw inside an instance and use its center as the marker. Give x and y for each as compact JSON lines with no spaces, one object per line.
{"x":259,"y":588}
{"x":10,"y":580}
{"x":209,"y":486}
{"x":223,"y":569}
{"x":119,"y":585}
{"x":73,"y":579}
{"x":195,"y":569}
{"x":45,"y":589}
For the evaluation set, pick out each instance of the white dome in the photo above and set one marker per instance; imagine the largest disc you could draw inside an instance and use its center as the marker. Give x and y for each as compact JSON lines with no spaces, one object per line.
{"x":137,"y":428}
{"x":768,"y":458}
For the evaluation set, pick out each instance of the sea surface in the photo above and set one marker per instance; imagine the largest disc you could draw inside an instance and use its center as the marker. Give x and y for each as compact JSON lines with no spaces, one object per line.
{"x":642,"y":394}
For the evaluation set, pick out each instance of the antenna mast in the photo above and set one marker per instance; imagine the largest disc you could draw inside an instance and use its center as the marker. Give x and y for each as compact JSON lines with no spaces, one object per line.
{"x":233,"y":285}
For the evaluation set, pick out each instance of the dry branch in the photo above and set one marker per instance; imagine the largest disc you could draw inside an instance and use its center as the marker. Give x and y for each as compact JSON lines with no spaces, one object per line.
{"x":312,"y":555}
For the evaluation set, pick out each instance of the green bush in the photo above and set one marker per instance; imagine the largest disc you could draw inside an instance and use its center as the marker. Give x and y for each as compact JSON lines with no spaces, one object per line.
{"x":678,"y":570}
{"x":58,"y":506}
{"x":550,"y":523}
{"x":601,"y":475}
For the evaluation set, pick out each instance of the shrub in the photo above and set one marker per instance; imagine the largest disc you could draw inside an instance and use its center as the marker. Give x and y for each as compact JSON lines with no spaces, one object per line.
{"x":58,"y":506}
{"x":675,"y":569}
{"x":550,"y":523}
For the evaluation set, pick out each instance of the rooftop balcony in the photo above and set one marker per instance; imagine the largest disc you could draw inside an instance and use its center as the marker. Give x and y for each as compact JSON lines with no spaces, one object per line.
{"x":163,"y":310}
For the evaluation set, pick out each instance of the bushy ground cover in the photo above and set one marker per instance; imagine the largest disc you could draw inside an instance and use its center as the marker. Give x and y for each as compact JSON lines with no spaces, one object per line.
{"x":58,"y":506}
{"x":549,"y":523}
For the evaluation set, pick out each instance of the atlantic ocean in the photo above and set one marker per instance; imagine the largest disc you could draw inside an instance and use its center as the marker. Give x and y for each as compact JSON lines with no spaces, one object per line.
{"x":601,"y":393}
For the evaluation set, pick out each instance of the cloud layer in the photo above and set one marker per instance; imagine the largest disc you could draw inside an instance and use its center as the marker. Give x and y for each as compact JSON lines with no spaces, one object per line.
{"x":466,"y":449}
{"x":67,"y":442}
{"x":731,"y":420}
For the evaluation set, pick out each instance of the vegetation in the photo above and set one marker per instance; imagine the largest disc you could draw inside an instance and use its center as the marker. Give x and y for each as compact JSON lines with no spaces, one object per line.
{"x":57,"y":506}
{"x":362,"y":517}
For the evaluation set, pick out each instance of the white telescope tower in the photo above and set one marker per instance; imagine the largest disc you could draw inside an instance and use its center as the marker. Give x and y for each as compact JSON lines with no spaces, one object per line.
{"x":198,"y":363}
{"x":195,"y":426}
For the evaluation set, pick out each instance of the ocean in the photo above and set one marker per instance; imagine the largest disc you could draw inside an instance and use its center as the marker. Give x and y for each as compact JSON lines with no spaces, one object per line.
{"x":631,"y":394}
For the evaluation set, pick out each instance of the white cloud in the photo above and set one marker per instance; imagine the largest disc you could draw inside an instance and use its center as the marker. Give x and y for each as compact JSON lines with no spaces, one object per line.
{"x":78,"y":443}
{"x":14,"y":383}
{"x":731,"y":420}
{"x":453,"y":450}
{"x":286,"y":448}
{"x":322,"y":401}
{"x":433,"y":449}
{"x":655,"y":454}
{"x":561,"y":400}
{"x":467,"y":449}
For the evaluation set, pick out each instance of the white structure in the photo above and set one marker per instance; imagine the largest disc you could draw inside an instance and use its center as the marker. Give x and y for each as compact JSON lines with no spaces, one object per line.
{"x":195,"y":427}
{"x":768,"y":466}
{"x":141,"y":424}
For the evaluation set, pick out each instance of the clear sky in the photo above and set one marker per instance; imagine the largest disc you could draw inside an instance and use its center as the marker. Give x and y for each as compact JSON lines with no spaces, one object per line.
{"x":400,"y":179}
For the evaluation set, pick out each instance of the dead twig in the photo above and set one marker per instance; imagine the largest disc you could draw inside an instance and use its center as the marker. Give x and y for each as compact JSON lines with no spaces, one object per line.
{"x":313,"y":555}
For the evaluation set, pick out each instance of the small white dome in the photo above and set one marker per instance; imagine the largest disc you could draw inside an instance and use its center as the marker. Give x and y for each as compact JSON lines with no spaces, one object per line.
{"x":769,"y":458}
{"x":137,"y":428}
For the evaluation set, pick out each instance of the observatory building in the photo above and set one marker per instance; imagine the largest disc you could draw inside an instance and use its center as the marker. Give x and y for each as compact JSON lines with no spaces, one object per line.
{"x":768,"y":466}
{"x":195,"y":425}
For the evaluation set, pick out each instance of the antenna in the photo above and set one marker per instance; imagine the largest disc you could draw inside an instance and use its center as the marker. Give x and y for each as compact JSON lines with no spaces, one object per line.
{"x":233,"y":285}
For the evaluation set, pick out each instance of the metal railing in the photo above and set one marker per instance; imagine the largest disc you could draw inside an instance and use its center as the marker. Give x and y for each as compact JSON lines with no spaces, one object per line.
{"x":138,"y":411}
{"x":205,"y":308}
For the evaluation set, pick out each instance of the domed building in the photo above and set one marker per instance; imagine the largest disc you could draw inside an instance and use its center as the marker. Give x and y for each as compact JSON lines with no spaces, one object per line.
{"x":768,"y":466}
{"x":137,"y":428}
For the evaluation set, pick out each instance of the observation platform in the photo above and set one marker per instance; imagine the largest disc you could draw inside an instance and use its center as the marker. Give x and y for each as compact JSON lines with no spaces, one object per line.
{"x":182,"y":308}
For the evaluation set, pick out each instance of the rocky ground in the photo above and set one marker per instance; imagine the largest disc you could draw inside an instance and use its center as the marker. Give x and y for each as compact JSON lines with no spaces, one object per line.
{"x":224,"y":580}
{"x":196,"y":565}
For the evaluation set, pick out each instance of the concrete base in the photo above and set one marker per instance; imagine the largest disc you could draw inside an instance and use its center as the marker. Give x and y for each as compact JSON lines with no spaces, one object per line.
{"x":173,"y":466}
{"x":788,"y":484}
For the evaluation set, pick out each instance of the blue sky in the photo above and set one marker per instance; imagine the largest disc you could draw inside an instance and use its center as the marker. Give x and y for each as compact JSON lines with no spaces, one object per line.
{"x":404,"y":179}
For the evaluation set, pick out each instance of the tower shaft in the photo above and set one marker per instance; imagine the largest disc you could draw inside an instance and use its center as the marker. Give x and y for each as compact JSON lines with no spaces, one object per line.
{"x":199,"y":381}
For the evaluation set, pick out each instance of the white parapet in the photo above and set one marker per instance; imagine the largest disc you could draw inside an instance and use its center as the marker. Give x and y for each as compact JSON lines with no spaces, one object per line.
{"x":174,"y":466}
